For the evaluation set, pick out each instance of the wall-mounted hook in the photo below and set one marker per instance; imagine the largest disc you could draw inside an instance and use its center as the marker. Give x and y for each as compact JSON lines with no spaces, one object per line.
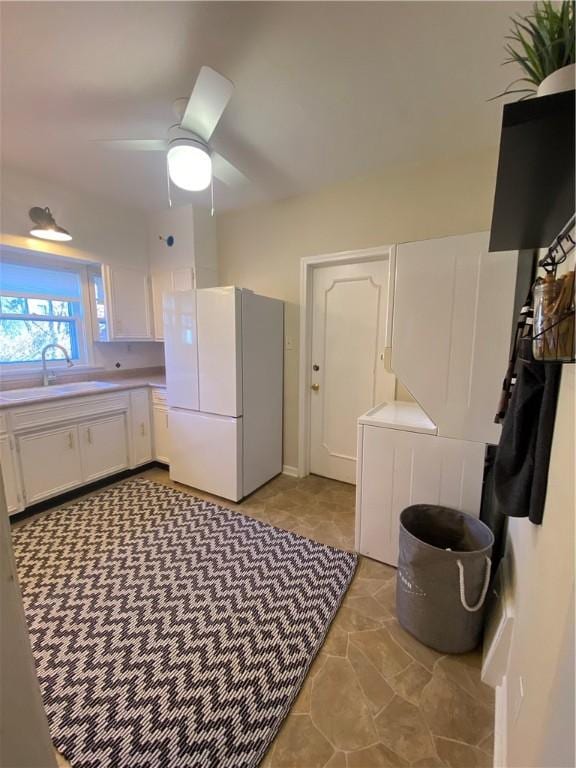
{"x":168,"y":240}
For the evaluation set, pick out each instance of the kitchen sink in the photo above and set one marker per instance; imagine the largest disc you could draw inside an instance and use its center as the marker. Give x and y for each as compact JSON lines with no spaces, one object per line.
{"x":55,"y":390}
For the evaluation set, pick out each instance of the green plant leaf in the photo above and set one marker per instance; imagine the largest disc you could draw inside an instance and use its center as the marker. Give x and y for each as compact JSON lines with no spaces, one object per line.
{"x":542,"y":41}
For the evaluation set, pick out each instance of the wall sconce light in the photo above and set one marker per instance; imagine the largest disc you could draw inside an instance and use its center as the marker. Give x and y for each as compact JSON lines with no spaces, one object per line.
{"x":45,"y":227}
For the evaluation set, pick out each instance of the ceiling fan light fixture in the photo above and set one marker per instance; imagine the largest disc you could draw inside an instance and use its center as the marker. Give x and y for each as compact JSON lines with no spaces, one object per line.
{"x":45,"y":226}
{"x":189,"y":164}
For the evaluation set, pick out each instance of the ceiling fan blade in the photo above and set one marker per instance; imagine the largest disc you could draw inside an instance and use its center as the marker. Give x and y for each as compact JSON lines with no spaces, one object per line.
{"x":208,"y":100}
{"x":135,"y":145}
{"x":226,"y":172}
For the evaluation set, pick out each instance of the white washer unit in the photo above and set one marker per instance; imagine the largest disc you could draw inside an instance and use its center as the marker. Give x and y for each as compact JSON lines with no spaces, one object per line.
{"x":453,"y":306}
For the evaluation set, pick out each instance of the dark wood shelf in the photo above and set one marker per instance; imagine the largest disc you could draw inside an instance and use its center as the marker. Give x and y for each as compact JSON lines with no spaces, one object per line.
{"x":534,"y":196}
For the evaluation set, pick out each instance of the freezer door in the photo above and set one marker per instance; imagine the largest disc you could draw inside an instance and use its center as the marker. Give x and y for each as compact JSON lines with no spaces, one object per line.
{"x":206,"y":452}
{"x":181,"y":349}
{"x":219,"y":350}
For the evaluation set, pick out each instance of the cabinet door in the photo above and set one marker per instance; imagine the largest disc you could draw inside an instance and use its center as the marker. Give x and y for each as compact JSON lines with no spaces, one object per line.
{"x":103,"y":447}
{"x":163,"y":282}
{"x":128,"y":304}
{"x":453,"y":308}
{"x":50,"y":462}
{"x":403,"y":468}
{"x":10,"y":475}
{"x":140,"y":428}
{"x":161,"y":434}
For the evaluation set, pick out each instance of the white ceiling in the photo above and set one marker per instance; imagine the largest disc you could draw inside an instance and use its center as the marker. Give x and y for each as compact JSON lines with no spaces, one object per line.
{"x":323,"y":91}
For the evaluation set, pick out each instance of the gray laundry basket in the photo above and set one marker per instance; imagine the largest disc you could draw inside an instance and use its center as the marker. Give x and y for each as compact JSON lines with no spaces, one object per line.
{"x":443,"y":576}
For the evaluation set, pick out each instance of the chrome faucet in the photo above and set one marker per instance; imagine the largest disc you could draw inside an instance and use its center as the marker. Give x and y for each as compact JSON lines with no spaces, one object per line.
{"x":48,"y":378}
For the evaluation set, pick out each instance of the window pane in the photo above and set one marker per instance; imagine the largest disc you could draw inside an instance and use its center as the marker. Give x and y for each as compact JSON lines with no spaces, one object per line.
{"x":13,"y":305}
{"x":38,"y":307}
{"x":22,"y":341}
{"x":64,"y":308}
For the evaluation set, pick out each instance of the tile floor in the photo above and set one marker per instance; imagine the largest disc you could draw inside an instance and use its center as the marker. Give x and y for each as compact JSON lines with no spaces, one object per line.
{"x":374,"y":696}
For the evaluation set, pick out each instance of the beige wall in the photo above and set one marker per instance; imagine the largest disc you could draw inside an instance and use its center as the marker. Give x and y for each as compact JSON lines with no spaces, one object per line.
{"x":260,"y":248}
{"x":540,"y":725}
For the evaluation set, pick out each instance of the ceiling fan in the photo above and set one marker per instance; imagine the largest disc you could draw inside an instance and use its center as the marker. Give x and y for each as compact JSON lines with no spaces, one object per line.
{"x":190,"y":159}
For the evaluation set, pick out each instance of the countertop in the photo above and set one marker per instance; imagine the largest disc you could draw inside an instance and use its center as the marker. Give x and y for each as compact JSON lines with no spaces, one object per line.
{"x":54,"y":392}
{"x":398,"y":414}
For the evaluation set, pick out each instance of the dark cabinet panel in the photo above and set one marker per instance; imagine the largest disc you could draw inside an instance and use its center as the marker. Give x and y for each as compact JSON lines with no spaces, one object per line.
{"x":535,"y":185}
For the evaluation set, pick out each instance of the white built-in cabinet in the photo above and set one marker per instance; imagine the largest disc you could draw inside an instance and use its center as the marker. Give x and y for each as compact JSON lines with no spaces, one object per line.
{"x":189,"y":262}
{"x":141,"y":428}
{"x":10,"y":474}
{"x":453,"y":306}
{"x":160,"y":426}
{"x":451,"y":333}
{"x":128,"y":303}
{"x":103,"y":447}
{"x":52,"y":447}
{"x":127,"y":300}
{"x":163,"y":282}
{"x":398,"y":468}
{"x":50,"y":461}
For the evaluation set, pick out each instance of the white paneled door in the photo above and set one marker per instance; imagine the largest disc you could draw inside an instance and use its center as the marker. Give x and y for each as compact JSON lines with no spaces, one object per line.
{"x":348,"y":376}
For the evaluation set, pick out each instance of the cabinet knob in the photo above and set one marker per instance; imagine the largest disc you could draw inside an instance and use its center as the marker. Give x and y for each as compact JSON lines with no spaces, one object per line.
{"x":315,"y":387}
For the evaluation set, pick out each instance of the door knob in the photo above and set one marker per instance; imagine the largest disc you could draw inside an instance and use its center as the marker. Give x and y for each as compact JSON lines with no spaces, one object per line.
{"x":315,"y":387}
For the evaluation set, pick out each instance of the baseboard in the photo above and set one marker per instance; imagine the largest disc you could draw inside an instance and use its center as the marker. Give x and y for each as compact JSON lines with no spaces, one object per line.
{"x":82,"y":490}
{"x":290,"y":471}
{"x":500,"y":721}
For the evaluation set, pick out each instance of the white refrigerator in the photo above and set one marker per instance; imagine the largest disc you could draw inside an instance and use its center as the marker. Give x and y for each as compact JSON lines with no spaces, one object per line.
{"x":224,"y":377}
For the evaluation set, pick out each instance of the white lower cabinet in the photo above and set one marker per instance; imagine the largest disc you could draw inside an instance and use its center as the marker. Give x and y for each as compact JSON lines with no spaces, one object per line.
{"x":140,"y":427}
{"x":161,"y":434}
{"x":400,"y":468}
{"x":103,"y":447}
{"x":160,"y":425}
{"x":50,"y":462}
{"x":10,"y":474}
{"x":47,"y":448}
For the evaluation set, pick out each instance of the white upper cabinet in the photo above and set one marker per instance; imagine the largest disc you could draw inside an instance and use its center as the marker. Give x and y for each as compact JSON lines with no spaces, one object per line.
{"x":164,"y":282}
{"x":128,"y":305}
{"x":190,"y":261}
{"x":452,"y":326}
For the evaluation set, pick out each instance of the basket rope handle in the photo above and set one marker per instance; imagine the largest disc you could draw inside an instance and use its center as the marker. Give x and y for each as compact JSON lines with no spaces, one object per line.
{"x":480,"y":603}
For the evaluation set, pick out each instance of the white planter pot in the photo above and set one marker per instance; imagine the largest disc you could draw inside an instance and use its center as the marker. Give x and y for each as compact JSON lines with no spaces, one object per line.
{"x":563,"y":79}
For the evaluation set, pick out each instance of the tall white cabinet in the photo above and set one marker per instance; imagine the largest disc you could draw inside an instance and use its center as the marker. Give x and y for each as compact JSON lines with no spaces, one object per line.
{"x":451,"y":333}
{"x":189,"y":262}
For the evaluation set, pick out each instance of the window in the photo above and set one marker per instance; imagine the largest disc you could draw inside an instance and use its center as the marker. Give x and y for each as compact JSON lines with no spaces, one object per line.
{"x":40,"y":305}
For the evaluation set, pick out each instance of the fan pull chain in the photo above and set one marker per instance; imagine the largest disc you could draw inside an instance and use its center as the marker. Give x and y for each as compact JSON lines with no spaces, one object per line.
{"x":212,"y":195}
{"x":168,"y":182}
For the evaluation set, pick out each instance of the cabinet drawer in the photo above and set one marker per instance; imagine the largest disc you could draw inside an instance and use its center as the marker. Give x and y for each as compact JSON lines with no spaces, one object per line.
{"x":67,"y":409}
{"x":159,"y":396}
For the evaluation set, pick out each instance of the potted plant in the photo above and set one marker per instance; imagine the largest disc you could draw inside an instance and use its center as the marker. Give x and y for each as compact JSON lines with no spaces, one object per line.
{"x":542,"y":43}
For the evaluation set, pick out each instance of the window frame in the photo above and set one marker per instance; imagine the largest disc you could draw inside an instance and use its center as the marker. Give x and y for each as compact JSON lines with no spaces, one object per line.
{"x":83,"y":321}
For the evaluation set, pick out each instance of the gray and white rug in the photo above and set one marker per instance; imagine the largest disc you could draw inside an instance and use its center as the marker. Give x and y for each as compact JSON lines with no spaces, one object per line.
{"x":168,"y":631}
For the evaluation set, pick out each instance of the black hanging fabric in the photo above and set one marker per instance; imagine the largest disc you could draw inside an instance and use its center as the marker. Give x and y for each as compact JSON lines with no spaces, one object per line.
{"x":523,"y":454}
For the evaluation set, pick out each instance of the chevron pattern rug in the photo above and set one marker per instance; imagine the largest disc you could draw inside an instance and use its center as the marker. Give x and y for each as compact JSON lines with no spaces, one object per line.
{"x":168,"y":631}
